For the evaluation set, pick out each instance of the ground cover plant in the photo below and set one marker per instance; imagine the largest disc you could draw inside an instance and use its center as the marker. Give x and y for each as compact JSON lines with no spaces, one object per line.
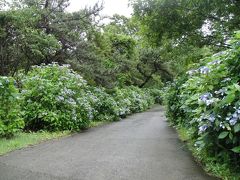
{"x":206,"y":103}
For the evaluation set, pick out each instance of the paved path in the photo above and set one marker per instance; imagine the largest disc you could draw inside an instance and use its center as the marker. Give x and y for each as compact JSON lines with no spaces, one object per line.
{"x":141,"y":147}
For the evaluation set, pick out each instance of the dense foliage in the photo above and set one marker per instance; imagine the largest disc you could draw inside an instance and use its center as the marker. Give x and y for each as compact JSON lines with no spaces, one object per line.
{"x":207,"y":103}
{"x":10,"y":117}
{"x":56,"y":98}
{"x":43,"y":31}
{"x":121,"y":66}
{"x":183,"y":20}
{"x":186,"y":30}
{"x":132,"y":99}
{"x":108,"y":56}
{"x":160,"y":41}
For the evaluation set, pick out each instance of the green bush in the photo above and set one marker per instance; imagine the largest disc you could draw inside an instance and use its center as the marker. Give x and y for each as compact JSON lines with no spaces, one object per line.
{"x":140,"y":99}
{"x":156,"y":94}
{"x":105,"y":107}
{"x":10,"y":118}
{"x":207,"y":103}
{"x":132,"y":99}
{"x":54,"y":98}
{"x":123,"y":102}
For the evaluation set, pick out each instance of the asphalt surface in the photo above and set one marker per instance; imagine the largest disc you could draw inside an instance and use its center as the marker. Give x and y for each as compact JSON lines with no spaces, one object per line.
{"x":141,"y":147}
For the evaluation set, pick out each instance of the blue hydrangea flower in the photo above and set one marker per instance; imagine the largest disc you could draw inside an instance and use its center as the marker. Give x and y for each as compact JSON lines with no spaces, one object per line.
{"x":71,"y":101}
{"x":209,"y":102}
{"x":204,"y":70}
{"x":192,"y":72}
{"x":207,"y":98}
{"x":222,"y":125}
{"x":233,"y":121}
{"x":221,"y":91}
{"x":7,"y":81}
{"x":238,"y":111}
{"x":211,"y":118}
{"x":208,"y":117}
{"x":215,"y":62}
{"x":226,"y":80}
{"x":203,"y":128}
{"x":60,"y":98}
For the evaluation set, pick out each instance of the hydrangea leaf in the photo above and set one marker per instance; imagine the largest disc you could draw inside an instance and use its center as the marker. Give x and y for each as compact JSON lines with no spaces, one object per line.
{"x":237,"y":128}
{"x":223,"y":135}
{"x":236,"y":149}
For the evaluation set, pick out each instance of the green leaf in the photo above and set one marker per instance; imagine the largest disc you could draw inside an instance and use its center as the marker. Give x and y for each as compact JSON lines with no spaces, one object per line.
{"x":236,"y":149}
{"x":223,"y":134}
{"x":237,"y":128}
{"x":235,"y":139}
{"x":211,"y":87}
{"x":231,"y":136}
{"x":229,"y":98}
{"x":237,"y":87}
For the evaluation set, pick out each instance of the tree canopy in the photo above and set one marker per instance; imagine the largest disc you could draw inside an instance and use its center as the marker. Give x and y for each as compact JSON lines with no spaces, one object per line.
{"x":160,"y":41}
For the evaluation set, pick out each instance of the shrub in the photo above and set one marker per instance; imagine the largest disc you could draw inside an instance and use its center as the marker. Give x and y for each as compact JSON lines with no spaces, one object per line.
{"x":207,"y":103}
{"x":55,"y":99}
{"x":140,"y":99}
{"x":105,"y":106}
{"x":10,"y":118}
{"x":123,"y":101}
{"x":132,"y":99}
{"x":174,"y":113}
{"x":156,"y":94}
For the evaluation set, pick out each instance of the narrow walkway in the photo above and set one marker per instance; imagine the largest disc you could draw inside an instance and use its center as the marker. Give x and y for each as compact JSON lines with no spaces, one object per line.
{"x":141,"y":147}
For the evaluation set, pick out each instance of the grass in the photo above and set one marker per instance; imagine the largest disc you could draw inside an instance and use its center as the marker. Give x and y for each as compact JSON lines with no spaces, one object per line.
{"x":99,"y":123}
{"x":209,"y":164}
{"x":183,"y":134}
{"x":22,"y":140}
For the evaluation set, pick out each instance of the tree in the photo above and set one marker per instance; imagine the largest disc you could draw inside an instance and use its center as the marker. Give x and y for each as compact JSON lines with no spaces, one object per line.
{"x":21,"y":44}
{"x":40,"y":31}
{"x":205,"y":22}
{"x":150,"y":64}
{"x":113,"y":58}
{"x":188,"y":30}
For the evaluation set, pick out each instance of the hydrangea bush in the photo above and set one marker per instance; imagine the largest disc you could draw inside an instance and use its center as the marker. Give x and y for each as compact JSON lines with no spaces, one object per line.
{"x":132,"y":99}
{"x":207,"y":102}
{"x":56,"y":98}
{"x":156,"y":94}
{"x":10,"y":117}
{"x":105,"y":107}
